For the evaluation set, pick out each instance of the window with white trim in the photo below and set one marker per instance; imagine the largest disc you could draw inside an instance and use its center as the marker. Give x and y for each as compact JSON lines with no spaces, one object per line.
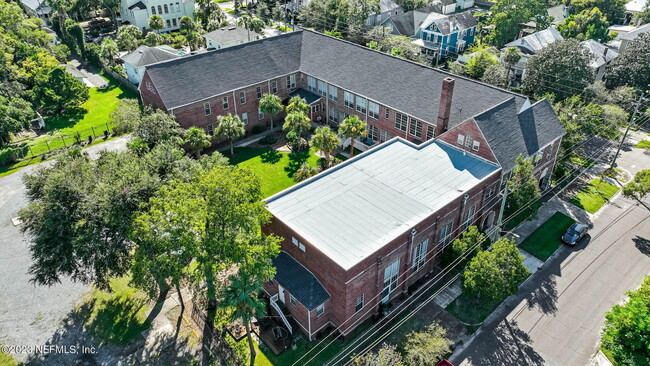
{"x":169,"y":23}
{"x":294,"y":241}
{"x":373,"y":133}
{"x":415,"y":128}
{"x":174,"y":23}
{"x":384,"y":136}
{"x":274,"y":87}
{"x":259,"y":92}
{"x":431,"y":132}
{"x":445,"y":234}
{"x":476,"y":145}
{"x":320,"y":310}
{"x":401,"y":121}
{"x":225,"y":103}
{"x":301,"y":246}
{"x":361,"y":105}
{"x":242,"y":97}
{"x":315,"y":108}
{"x":166,"y":8}
{"x":373,"y":110}
{"x":391,"y":273}
{"x":348,"y":99}
{"x":419,"y":255}
{"x":210,"y":129}
{"x":244,"y":118}
{"x":207,"y":109}
{"x":178,"y":7}
{"x":291,"y":81}
{"x":292,"y":300}
{"x":468,"y":140}
{"x":468,"y":218}
{"x":490,"y":192}
{"x":333,"y":93}
{"x":333,"y":115}
{"x":460,"y":140}
{"x":260,"y":114}
{"x":322,"y":88}
{"x":311,"y":84}
{"x":171,"y":8}
{"x":387,"y":113}
{"x":358,"y":303}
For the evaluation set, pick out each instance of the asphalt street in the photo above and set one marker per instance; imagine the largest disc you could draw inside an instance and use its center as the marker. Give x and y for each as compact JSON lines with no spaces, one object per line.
{"x":557,"y":317}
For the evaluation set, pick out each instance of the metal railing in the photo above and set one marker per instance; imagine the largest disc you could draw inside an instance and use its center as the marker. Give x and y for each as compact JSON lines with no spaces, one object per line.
{"x":275,"y":306}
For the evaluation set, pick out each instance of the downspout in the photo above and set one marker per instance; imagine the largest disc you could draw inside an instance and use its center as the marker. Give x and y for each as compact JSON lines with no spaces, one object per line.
{"x":309,"y":322}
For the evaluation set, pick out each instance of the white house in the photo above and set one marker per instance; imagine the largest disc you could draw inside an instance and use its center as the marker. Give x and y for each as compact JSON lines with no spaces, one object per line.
{"x":602,"y":56}
{"x":530,"y":45}
{"x":465,"y":4}
{"x":38,"y":8}
{"x":229,"y":36}
{"x":136,"y":62}
{"x":137,"y":12}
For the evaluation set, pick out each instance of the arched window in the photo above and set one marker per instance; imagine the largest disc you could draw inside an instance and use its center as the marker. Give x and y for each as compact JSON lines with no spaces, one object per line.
{"x":178,"y":7}
{"x":153,"y":10}
{"x":159,"y":9}
{"x":171,"y":7}
{"x":166,"y":9}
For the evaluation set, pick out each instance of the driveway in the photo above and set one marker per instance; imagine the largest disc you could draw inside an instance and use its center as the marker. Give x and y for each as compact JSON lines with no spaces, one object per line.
{"x":30,"y":314}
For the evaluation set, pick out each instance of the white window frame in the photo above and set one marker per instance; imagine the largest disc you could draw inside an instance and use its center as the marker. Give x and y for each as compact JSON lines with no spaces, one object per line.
{"x":348,"y":99}
{"x":384,"y":136}
{"x":361,"y":104}
{"x":333,"y":93}
{"x":431,"y":131}
{"x":373,"y":132}
{"x":391,"y":277}
{"x":311,"y":84}
{"x":320,"y":310}
{"x":294,"y":240}
{"x":415,"y":127}
{"x":476,"y":145}
{"x":373,"y":110}
{"x":445,"y":234}
{"x":210,"y":129}
{"x":274,"y":87}
{"x":468,"y":140}
{"x":468,"y":218}
{"x":259,"y":92}
{"x":242,"y":97}
{"x":420,"y":255}
{"x":322,"y":88}
{"x":207,"y":109}
{"x":401,"y":121}
{"x":291,"y":82}
{"x":260,"y":114}
{"x":460,"y":140}
{"x":244,"y":118}
{"x":226,"y":105}
{"x":302,"y":246}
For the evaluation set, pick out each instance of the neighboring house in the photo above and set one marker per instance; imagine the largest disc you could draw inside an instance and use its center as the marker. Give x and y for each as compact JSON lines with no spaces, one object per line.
{"x":137,"y":12}
{"x":38,"y":8}
{"x":136,"y":62}
{"x":602,"y":56}
{"x":77,"y":74}
{"x":559,"y":13}
{"x":447,"y":6}
{"x":632,"y":35}
{"x":465,"y":4}
{"x":437,"y":34}
{"x":530,"y":45}
{"x":633,"y":7}
{"x":229,"y":36}
{"x":387,"y":9}
{"x":341,"y":248}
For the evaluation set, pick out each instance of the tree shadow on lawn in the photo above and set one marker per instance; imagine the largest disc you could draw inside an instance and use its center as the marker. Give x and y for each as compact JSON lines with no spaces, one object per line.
{"x":64,"y":120}
{"x":295,"y":161}
{"x":271,"y":157}
{"x":642,"y":244}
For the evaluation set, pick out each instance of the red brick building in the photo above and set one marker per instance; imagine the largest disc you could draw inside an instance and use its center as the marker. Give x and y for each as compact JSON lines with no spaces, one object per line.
{"x":359,"y":234}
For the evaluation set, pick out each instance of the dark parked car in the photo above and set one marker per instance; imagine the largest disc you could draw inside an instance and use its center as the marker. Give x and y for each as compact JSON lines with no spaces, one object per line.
{"x":574,"y":234}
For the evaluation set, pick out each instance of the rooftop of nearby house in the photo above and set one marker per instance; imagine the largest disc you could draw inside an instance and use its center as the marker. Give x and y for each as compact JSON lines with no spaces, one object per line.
{"x":230,"y":34}
{"x":408,"y":23}
{"x":405,"y":86}
{"x":388,"y":5}
{"x":602,"y":54}
{"x":630,"y":36}
{"x":352,"y":210}
{"x":39,"y":6}
{"x":512,"y":130}
{"x":558,"y":12}
{"x":533,"y":43}
{"x":145,"y":55}
{"x":300,"y":283}
{"x":447,"y":24}
{"x":138,"y":6}
{"x":635,"y":6}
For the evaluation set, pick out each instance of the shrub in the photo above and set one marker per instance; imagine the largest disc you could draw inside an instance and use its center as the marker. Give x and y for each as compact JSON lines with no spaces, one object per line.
{"x":268,"y":139}
{"x":11,"y":155}
{"x":257,"y":129}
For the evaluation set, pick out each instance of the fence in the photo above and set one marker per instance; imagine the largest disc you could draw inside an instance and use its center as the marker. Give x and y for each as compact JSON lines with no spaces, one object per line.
{"x":120,"y":79}
{"x":213,"y":340}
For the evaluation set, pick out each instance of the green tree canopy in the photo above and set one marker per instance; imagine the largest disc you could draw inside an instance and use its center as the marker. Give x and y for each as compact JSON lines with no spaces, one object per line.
{"x":614,"y":10}
{"x":157,"y":127}
{"x":231,"y":128}
{"x":496,"y":75}
{"x":297,"y":104}
{"x":271,"y":104}
{"x":109,"y":51}
{"x":470,"y":238}
{"x":156,"y":23}
{"x":523,"y":187}
{"x":58,"y":91}
{"x":588,"y":24}
{"x":632,"y":66}
{"x":353,"y":127}
{"x":428,"y":347}
{"x":325,"y":140}
{"x":127,"y":37}
{"x":507,"y":15}
{"x":480,"y":62}
{"x":386,"y":356}
{"x":562,"y":69}
{"x":197,"y":139}
{"x":296,"y":122}
{"x":639,"y":187}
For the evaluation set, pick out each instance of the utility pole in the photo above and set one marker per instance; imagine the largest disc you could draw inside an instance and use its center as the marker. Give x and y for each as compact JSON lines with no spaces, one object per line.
{"x":627,"y":130}
{"x":503,"y":207}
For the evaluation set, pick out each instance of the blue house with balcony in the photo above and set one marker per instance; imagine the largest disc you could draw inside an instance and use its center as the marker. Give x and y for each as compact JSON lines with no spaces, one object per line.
{"x":438,"y":35}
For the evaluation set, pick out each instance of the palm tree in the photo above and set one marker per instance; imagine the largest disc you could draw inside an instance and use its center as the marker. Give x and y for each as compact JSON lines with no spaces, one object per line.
{"x":296,"y":122}
{"x":108,"y":51}
{"x":271,"y":104}
{"x":511,"y":57}
{"x":297,"y":104}
{"x":197,"y":139}
{"x":325,"y":140}
{"x":251,"y":24}
{"x":353,"y":127}
{"x":156,"y":23}
{"x":241,"y":295}
{"x":230,"y":127}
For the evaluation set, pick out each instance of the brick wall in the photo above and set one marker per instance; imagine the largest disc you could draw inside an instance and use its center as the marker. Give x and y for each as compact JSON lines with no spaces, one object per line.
{"x":469,"y":129}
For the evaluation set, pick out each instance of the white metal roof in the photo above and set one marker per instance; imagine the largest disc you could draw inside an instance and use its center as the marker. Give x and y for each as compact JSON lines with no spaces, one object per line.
{"x":350,"y":211}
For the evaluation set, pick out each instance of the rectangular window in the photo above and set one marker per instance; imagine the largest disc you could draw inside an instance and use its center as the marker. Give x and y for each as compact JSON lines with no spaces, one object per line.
{"x":333,"y":93}
{"x":391,"y":273}
{"x":431,"y":132}
{"x":348,"y":99}
{"x":301,"y":246}
{"x":419,"y":255}
{"x":311,"y":84}
{"x":207,"y":109}
{"x":244,"y":118}
{"x":291,"y":82}
{"x":373,"y":133}
{"x":468,"y":141}
{"x":445,"y":234}
{"x":387,"y":113}
{"x":384,"y":136}
{"x":401,"y":121}
{"x":315,"y":108}
{"x":415,"y":128}
{"x":468,"y":218}
{"x":476,"y":145}
{"x":460,"y":140}
{"x":358,"y":303}
{"x":274,"y":87}
{"x":320,"y":310}
{"x":260,"y":115}
{"x":490,"y":192}
{"x":373,"y":110}
{"x":174,"y":20}
{"x":242,"y":97}
{"x":292,"y":300}
{"x":333,"y":115}
{"x":259,"y":92}
{"x":225,"y":103}
{"x":294,"y":241}
{"x":361,"y":105}
{"x":210,"y":129}
{"x":322,"y":88}
{"x":169,"y":23}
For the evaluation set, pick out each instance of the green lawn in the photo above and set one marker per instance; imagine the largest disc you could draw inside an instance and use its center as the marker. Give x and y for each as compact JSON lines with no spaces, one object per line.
{"x":581,"y":160}
{"x":7,"y":360}
{"x":116,"y":317}
{"x":643,"y":144}
{"x":594,"y":195}
{"x":544,"y":241}
{"x":275,"y":169}
{"x":471,"y":310}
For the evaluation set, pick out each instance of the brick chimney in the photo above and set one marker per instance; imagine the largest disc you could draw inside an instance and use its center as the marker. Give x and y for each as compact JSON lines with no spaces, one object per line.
{"x":445,"y":105}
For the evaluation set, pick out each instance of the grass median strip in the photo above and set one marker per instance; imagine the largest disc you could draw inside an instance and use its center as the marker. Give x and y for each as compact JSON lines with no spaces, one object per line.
{"x":544,"y":241}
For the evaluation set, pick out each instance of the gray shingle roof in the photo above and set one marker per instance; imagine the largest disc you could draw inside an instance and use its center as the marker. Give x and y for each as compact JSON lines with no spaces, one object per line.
{"x":308,"y":96}
{"x":408,"y":23}
{"x":635,"y":33}
{"x":602,"y":54}
{"x":511,"y":132}
{"x":395,"y":186}
{"x":447,"y":23}
{"x":145,"y":55}
{"x":300,"y":283}
{"x":538,"y":40}
{"x":229,"y":34}
{"x":138,"y":6}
